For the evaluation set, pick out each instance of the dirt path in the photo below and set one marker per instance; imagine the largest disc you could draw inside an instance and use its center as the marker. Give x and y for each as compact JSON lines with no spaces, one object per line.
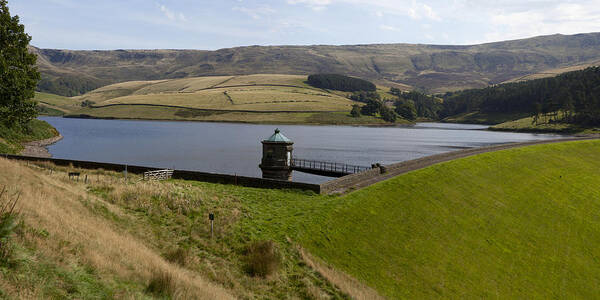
{"x":367,"y":178}
{"x":38,"y":148}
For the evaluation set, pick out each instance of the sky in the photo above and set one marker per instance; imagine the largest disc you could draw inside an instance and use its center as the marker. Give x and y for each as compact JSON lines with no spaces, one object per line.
{"x":210,"y":25}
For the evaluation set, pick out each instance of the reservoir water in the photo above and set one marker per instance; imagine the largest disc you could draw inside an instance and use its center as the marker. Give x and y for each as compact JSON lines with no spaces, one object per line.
{"x":233,"y":148}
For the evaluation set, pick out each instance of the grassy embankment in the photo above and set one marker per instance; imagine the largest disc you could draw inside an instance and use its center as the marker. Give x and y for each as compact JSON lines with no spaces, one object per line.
{"x":110,"y":238}
{"x":11,"y":138}
{"x":265,"y":98}
{"x":517,"y":223}
{"x":511,"y":224}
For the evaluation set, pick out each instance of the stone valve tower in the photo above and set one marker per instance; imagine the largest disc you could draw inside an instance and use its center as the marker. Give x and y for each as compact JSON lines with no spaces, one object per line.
{"x":277,"y":157}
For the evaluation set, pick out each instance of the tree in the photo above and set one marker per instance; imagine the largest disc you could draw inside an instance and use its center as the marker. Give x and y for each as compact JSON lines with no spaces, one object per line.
{"x":355,"y":112}
{"x":406,"y":109}
{"x":371,"y":108}
{"x":18,"y":71}
{"x":387,"y":114}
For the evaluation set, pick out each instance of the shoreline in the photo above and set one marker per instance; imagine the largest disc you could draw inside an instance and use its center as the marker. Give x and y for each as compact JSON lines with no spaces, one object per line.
{"x":382,"y":124}
{"x":38,"y":148}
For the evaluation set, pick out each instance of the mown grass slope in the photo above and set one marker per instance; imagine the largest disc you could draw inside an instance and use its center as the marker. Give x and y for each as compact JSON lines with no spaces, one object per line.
{"x":520,"y":223}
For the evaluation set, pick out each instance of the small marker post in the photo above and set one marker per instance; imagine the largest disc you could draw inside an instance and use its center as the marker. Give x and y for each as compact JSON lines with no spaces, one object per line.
{"x":211,"y":217}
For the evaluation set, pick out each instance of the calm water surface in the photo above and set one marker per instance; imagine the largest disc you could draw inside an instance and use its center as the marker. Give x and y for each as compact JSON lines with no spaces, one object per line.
{"x":236,"y":149}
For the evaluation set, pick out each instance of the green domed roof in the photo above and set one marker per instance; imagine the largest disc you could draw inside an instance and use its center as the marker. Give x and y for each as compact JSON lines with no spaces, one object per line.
{"x":277,"y":137}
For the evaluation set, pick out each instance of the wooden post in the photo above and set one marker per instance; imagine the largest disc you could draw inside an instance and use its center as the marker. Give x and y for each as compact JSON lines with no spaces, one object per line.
{"x":211,"y":217}
{"x":126,"y":173}
{"x":85,"y":178}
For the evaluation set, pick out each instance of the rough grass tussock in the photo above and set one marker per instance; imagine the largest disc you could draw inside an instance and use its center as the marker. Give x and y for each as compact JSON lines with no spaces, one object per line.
{"x":262,"y":258}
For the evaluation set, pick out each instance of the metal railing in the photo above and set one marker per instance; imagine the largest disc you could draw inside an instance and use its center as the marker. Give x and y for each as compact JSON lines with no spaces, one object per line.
{"x":327,"y":166}
{"x":158,"y":175}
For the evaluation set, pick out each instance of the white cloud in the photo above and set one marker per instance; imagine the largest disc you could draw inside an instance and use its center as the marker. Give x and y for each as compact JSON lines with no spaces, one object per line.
{"x":255,"y":12}
{"x":411,"y":8}
{"x":316,"y":5}
{"x":172,"y":15}
{"x":564,"y":18}
{"x":389,"y":28}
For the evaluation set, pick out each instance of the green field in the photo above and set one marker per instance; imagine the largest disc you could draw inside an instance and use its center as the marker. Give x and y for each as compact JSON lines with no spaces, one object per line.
{"x":167,"y":113}
{"x":264,"y":92}
{"x":259,"y":98}
{"x":517,"y":223}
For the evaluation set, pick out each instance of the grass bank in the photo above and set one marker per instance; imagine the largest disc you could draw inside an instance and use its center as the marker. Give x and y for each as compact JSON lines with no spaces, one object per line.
{"x":511,"y":224}
{"x":110,"y":237}
{"x":483,"y":118}
{"x":527,"y":125}
{"x":518,"y":223}
{"x":11,"y":138}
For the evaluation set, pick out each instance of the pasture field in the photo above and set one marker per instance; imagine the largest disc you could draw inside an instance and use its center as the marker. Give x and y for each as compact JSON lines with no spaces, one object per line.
{"x":169,"y":113}
{"x":259,"y":98}
{"x":277,"y":98}
{"x":58,"y":104}
{"x":280,"y":79}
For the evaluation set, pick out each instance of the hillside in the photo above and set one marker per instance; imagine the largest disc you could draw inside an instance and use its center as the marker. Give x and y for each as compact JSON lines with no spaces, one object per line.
{"x":511,"y":224}
{"x":569,"y":99}
{"x":435,"y":68}
{"x":257,"y":98}
{"x":517,"y":223}
{"x":105,"y":237}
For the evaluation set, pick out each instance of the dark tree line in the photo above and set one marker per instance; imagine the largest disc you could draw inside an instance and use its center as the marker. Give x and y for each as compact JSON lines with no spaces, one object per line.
{"x":411,"y":105}
{"x":340,"y":83}
{"x":572,"y":97}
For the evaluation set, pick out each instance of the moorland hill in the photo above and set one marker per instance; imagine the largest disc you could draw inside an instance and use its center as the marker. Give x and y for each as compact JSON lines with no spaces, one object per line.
{"x":435,"y":68}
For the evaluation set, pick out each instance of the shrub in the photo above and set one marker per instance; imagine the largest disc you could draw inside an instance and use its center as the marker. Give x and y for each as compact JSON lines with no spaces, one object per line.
{"x":161,"y":284}
{"x":355,"y":112}
{"x":178,"y":256}
{"x":8,"y":224}
{"x":262,"y":258}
